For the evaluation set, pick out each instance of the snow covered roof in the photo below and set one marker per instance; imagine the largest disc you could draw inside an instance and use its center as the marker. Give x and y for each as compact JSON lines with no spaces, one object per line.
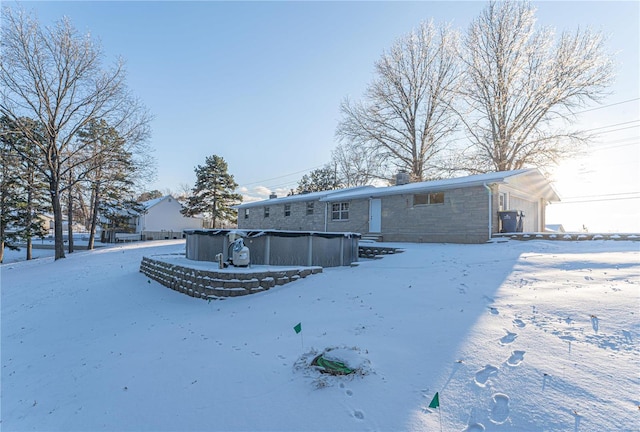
{"x":150,"y":203}
{"x":311,"y":196}
{"x":529,"y":179}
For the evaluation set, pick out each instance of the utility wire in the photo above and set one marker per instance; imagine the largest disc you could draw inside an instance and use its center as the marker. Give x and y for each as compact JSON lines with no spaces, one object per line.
{"x":461,"y":138}
{"x":604,"y":195}
{"x":596,"y":200}
{"x":282,"y":176}
{"x":607,"y":106}
{"x":613,"y":125}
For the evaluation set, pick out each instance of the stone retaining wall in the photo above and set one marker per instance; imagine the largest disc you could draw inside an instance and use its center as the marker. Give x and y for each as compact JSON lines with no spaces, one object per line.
{"x":209,"y":284}
{"x":375,"y":251}
{"x":569,"y":236}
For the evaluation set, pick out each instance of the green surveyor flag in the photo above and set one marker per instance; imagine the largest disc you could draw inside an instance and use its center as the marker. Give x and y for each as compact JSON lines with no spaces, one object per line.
{"x":298,"y":328}
{"x":435,"y":402}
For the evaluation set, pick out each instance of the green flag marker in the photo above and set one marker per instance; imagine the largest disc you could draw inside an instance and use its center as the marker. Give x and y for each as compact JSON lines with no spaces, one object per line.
{"x":435,"y":402}
{"x":298,"y":328}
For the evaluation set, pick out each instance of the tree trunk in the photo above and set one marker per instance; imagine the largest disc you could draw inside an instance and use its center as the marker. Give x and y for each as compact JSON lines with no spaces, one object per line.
{"x":29,"y":218}
{"x":70,"y":220}
{"x":57,"y":220}
{"x":1,"y":250}
{"x":94,"y":216}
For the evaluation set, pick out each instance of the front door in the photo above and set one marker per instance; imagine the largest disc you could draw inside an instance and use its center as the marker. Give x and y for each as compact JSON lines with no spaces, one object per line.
{"x":375,"y":215}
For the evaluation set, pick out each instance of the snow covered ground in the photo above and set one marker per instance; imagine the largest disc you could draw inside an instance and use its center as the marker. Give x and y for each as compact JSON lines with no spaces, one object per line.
{"x":515,"y":336}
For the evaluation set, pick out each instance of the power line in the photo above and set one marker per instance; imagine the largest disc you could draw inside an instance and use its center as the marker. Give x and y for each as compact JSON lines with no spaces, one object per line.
{"x":615,"y":146}
{"x":287,"y":184}
{"x":607,"y":106}
{"x":613,"y":125}
{"x":282,"y":176}
{"x":604,"y":195}
{"x":596,"y":200}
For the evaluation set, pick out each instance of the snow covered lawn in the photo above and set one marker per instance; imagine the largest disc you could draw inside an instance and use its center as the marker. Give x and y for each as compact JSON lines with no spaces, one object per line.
{"x":515,"y":336}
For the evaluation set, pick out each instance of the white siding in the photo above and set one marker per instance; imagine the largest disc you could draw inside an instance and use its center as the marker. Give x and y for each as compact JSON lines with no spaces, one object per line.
{"x":166,"y":216}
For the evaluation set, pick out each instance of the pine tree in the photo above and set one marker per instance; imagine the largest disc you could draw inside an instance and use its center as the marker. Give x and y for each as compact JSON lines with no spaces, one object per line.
{"x":111,"y":176}
{"x":9,"y":199}
{"x":22,"y":189}
{"x":318,"y":180}
{"x":213,"y":194}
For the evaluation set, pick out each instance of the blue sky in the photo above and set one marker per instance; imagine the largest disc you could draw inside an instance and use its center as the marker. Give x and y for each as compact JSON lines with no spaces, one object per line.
{"x":260,"y":84}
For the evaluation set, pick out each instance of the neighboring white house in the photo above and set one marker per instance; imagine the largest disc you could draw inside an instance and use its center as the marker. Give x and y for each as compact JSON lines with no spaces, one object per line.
{"x":162,"y":219}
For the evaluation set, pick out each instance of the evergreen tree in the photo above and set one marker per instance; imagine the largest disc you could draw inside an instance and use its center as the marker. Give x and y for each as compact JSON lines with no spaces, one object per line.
{"x":213,"y":194}
{"x":320,"y":179}
{"x":111,"y":178}
{"x":9,"y":199}
{"x":22,"y":189}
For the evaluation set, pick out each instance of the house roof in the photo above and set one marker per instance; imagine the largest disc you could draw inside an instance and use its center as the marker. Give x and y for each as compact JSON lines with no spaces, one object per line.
{"x":529,"y":179}
{"x":311,"y":196}
{"x":150,"y":203}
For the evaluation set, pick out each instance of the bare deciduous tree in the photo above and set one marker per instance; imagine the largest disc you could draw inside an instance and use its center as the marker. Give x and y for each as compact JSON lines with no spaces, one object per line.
{"x":356,"y":165}
{"x":55,"y":76}
{"x":405,"y":115}
{"x":521,"y":87}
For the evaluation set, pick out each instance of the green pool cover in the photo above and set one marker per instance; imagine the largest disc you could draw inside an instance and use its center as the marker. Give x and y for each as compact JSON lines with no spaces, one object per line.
{"x":331,"y":367}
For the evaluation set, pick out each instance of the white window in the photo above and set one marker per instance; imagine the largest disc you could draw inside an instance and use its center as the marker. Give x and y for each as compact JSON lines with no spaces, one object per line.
{"x":503,"y":203}
{"x":340,"y":211}
{"x":428,"y":198}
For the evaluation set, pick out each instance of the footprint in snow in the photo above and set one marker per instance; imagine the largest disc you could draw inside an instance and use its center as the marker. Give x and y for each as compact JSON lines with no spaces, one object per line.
{"x":483,"y":375}
{"x":508,"y":338}
{"x":595,"y":323}
{"x":493,"y":310}
{"x":518,"y":323}
{"x":500,"y":410}
{"x":348,"y":392}
{"x":516,"y":358}
{"x":475,"y":427}
{"x":358,"y":414}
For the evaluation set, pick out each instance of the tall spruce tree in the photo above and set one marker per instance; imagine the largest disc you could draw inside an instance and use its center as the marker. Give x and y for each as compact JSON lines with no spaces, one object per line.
{"x":9,"y":198}
{"x":22,"y":189}
{"x":213,"y":194}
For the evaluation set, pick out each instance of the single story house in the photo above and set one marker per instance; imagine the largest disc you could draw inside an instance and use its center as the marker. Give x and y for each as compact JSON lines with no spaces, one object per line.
{"x":162,"y":219}
{"x":458,"y":210}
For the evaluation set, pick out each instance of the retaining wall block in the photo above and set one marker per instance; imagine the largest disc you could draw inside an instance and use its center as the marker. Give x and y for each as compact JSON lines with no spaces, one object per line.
{"x":282,"y":280}
{"x":268,"y":282}
{"x":235,"y":283}
{"x":304,"y":273}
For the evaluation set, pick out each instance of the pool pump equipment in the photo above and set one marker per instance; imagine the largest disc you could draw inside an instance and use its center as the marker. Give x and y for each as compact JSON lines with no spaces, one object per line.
{"x":239,"y":255}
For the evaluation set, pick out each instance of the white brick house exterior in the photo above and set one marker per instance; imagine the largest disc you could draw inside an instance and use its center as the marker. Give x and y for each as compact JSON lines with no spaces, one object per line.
{"x":461,"y":210}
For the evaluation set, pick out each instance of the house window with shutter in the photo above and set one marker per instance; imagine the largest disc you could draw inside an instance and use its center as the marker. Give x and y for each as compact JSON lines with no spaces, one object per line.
{"x":287,"y":209}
